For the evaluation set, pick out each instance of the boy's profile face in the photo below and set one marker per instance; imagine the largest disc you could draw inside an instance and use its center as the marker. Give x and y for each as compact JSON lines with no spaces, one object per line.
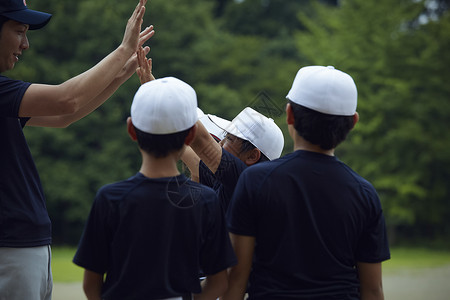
{"x":13,"y":40}
{"x":233,"y":145}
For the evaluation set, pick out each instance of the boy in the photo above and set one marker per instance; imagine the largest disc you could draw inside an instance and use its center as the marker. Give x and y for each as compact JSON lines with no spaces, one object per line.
{"x":250,"y":138}
{"x":153,"y":233}
{"x":306,"y":226}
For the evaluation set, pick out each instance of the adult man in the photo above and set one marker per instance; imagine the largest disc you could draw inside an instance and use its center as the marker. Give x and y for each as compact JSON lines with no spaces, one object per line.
{"x":25,"y":228}
{"x":251,"y":138}
{"x":153,"y":232}
{"x":306,"y":226}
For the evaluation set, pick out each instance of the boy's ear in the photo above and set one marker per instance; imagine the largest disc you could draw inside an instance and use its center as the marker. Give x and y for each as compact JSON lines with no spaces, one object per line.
{"x":130,"y":129}
{"x":290,"y":120}
{"x":252,"y":156}
{"x":191,"y":135}
{"x":355,"y":119}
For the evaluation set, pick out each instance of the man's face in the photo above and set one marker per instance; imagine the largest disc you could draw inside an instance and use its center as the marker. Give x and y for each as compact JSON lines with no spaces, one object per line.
{"x":13,"y":40}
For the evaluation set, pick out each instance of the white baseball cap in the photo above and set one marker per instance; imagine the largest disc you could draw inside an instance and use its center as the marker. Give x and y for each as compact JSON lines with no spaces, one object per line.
{"x":324,"y":89}
{"x":164,"y":106}
{"x":214,"y":125}
{"x":259,"y":130}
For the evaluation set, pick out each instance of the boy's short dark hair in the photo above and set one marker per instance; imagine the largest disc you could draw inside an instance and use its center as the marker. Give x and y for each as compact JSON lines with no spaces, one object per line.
{"x":326,"y":131}
{"x":161,"y":145}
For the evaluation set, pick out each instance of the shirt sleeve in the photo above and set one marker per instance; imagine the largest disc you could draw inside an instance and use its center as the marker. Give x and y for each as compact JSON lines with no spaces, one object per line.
{"x":93,"y":250}
{"x":241,"y":217}
{"x":206,"y":177}
{"x":11,"y":94}
{"x":217,"y":254}
{"x":373,"y":246}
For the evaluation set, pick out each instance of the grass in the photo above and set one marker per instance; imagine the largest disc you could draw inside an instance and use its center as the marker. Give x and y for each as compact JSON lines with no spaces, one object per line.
{"x":64,"y":270}
{"x":416,"y":258}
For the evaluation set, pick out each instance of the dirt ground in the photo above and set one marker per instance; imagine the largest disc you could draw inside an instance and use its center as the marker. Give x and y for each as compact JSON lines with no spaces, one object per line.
{"x":428,"y":284}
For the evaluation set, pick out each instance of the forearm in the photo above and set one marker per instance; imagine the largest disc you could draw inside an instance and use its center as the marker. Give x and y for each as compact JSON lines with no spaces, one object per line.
{"x":213,"y":286}
{"x":70,"y":97}
{"x":238,"y":275}
{"x":63,"y":121}
{"x":372,"y":295}
{"x":97,"y":80}
{"x":192,"y":161}
{"x":237,"y":286}
{"x":206,"y":148}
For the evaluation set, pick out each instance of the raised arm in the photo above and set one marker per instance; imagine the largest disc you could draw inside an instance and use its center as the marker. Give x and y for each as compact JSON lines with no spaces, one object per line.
{"x":206,"y":148}
{"x":77,"y":92}
{"x":124,"y":75}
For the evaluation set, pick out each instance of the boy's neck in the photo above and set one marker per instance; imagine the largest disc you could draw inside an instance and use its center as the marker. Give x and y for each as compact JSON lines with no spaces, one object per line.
{"x":159,"y":167}
{"x":301,"y":144}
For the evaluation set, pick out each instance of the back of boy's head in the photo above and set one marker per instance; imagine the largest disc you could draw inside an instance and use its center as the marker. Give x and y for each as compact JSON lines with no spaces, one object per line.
{"x":324,"y":101}
{"x":163,"y":112}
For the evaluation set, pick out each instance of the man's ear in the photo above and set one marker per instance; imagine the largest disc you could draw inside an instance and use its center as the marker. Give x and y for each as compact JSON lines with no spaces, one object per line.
{"x":251,"y":157}
{"x":191,"y":135}
{"x":130,"y":129}
{"x":289,"y":115}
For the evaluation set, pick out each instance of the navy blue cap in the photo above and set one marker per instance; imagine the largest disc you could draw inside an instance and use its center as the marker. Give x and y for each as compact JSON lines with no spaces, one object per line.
{"x":17,"y":10}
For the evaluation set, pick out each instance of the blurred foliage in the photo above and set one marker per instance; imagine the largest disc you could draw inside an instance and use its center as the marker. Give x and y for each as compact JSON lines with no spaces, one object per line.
{"x":246,"y":53}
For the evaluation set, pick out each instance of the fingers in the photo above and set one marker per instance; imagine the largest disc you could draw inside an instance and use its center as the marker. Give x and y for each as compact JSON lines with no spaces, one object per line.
{"x":140,"y":14}
{"x":141,"y":57}
{"x":138,"y":9}
{"x":145,"y":35}
{"x":144,"y":71}
{"x":146,"y":50}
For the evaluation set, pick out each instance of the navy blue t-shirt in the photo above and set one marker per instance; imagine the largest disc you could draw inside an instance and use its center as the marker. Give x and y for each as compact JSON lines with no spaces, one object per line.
{"x":313,"y":219}
{"x":24,"y":221}
{"x":225,"y":179}
{"x":152,"y":237}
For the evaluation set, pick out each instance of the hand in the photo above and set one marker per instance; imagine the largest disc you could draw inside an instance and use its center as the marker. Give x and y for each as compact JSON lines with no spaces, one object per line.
{"x":146,"y":34}
{"x":144,"y":71}
{"x":131,"y":36}
{"x":132,"y":63}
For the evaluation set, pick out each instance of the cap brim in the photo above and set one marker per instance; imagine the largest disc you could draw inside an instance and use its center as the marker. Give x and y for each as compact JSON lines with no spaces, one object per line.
{"x":219,"y":122}
{"x":35,"y":19}
{"x":215,"y":126}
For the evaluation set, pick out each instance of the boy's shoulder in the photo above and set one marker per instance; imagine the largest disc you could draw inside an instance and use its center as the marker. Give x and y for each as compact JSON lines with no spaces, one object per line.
{"x":180,"y":186}
{"x":116,"y":190}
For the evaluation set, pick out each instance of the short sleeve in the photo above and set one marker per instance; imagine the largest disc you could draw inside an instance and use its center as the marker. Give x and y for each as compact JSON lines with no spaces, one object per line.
{"x":217,"y":254}
{"x":373,"y":245}
{"x":241,"y":217}
{"x":93,"y":250}
{"x":11,"y":94}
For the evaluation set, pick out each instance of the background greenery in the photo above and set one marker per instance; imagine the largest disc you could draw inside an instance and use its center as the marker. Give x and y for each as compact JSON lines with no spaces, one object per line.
{"x":240,"y":53}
